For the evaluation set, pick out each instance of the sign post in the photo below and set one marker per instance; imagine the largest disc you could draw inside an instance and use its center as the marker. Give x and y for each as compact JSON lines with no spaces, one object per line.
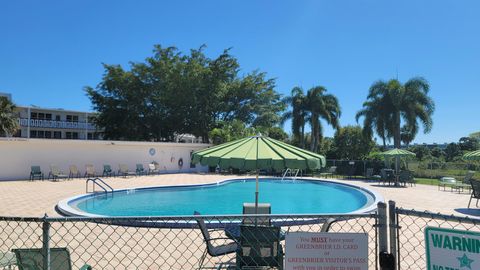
{"x":325,"y":251}
{"x":452,"y":249}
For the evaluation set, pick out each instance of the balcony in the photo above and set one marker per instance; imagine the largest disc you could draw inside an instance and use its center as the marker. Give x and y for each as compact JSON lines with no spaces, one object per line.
{"x":56,"y":124}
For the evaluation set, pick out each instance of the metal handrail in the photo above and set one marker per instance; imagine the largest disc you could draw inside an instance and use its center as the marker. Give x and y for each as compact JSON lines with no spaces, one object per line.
{"x":285,"y":173}
{"x":101,"y":184}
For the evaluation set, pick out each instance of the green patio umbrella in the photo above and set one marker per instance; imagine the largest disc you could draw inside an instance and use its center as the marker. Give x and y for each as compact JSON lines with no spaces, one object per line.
{"x":258,"y":152}
{"x":397,"y":154}
{"x":475,"y":155}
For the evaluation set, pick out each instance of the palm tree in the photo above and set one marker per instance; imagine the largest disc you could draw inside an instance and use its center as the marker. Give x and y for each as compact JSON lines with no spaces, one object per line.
{"x":321,"y":106}
{"x":298,"y":114}
{"x":8,"y":119}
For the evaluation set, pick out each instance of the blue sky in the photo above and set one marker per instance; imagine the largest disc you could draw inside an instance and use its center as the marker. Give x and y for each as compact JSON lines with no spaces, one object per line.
{"x":50,"y":50}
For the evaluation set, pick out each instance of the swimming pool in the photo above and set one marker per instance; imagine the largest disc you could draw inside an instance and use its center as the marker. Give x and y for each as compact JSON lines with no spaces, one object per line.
{"x":225,"y":198}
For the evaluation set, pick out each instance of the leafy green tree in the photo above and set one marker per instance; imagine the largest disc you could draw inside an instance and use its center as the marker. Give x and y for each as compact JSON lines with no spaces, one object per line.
{"x":421,"y":151}
{"x":351,"y":143}
{"x":173,"y":93}
{"x":321,"y":106}
{"x":277,"y":133}
{"x":230,"y":131}
{"x":453,"y":150}
{"x":437,"y":152}
{"x":298,"y":102}
{"x":391,"y":104}
{"x":8,"y":118}
{"x":468,"y":144}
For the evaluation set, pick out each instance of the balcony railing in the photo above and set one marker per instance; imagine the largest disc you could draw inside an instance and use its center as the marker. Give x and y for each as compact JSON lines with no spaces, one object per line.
{"x":56,"y":124}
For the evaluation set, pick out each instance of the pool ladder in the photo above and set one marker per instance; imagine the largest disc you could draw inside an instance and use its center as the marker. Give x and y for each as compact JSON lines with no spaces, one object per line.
{"x":288,"y":170}
{"x":100,"y":183}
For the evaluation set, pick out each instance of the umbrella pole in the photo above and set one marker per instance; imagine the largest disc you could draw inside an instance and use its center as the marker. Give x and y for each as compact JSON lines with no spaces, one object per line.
{"x":256,"y":194}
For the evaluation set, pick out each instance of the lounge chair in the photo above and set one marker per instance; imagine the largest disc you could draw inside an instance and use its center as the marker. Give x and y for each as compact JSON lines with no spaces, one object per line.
{"x":107,"y":170}
{"x":33,"y":259}
{"x":259,"y":246}
{"x":90,"y":171}
{"x":406,"y":177}
{"x":332,"y":171}
{"x":74,"y":172}
{"x":152,"y":169}
{"x":214,"y":251}
{"x":55,"y":173}
{"x":123,"y":170}
{"x":465,"y":184}
{"x":36,"y":173}
{"x":140,"y":170}
{"x":446,"y":182}
{"x":263,"y":209}
{"x":475,"y":184}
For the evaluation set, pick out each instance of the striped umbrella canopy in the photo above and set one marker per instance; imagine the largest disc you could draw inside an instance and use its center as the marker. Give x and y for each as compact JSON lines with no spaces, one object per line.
{"x":258,"y":152}
{"x":398,"y":153}
{"x":475,"y":155}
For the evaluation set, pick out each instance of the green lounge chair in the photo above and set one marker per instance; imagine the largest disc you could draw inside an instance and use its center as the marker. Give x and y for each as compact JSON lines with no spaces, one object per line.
{"x":107,"y":170}
{"x":465,"y":184}
{"x":74,"y":172}
{"x":55,"y":173}
{"x":36,"y":173}
{"x":140,"y":170}
{"x":259,"y":247}
{"x":32,"y":259}
{"x":123,"y":170}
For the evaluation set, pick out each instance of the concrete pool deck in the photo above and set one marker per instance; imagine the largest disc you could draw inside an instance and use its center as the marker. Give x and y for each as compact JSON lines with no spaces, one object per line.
{"x":34,"y":199}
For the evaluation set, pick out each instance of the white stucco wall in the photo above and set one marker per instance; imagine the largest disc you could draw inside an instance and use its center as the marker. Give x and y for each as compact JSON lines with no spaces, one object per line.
{"x":17,"y":155}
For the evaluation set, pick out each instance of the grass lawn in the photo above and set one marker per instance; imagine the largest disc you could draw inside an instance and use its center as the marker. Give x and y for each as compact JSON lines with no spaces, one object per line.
{"x":426,"y":181}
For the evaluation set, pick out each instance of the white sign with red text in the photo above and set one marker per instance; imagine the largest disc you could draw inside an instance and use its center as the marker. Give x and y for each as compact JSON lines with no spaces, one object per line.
{"x":326,"y":251}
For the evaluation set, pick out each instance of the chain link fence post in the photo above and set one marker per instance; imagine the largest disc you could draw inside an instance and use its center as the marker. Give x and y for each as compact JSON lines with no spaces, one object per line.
{"x":382,"y":228}
{"x":393,"y":225}
{"x":46,"y":243}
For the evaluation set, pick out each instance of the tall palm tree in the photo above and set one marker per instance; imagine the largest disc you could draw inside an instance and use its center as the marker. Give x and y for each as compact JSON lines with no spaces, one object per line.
{"x":321,"y":106}
{"x":391,"y":104}
{"x":298,"y":114}
{"x":8,"y":119}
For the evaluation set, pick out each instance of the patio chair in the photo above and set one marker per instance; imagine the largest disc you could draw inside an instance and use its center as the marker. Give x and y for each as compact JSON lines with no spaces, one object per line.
{"x":36,"y":173}
{"x":263,"y":209}
{"x":387,"y":176}
{"x":107,"y":170}
{"x":140,"y":170}
{"x":332,"y":171}
{"x":259,"y":247}
{"x":32,"y":258}
{"x":152,"y":169}
{"x":214,"y":251}
{"x":446,"y":182}
{"x":55,"y":173}
{"x":475,"y":184}
{"x":465,"y":184}
{"x":406,"y":177}
{"x":74,"y":172}
{"x":369,"y":173}
{"x":90,"y":171}
{"x":123,"y":171}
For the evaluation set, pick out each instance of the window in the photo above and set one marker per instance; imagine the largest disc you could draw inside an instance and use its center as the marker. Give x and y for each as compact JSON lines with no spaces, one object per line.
{"x":33,"y":115}
{"x":75,"y":118}
{"x":57,"y":117}
{"x":33,"y":133}
{"x":90,"y":136}
{"x":69,"y":118}
{"x":68,"y":135}
{"x":48,"y":116}
{"x":75,"y":135}
{"x":57,"y":134}
{"x":48,"y":134}
{"x":41,"y":116}
{"x":40,"y":134}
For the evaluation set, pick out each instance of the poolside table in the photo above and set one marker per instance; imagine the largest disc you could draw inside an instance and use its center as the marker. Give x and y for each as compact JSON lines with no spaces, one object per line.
{"x":446,"y":181}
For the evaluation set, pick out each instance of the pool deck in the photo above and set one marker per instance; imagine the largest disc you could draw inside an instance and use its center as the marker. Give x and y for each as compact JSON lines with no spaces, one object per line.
{"x":34,"y":199}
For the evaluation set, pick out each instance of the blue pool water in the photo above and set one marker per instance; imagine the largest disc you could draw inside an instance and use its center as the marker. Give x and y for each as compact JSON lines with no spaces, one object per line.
{"x":285,"y":197}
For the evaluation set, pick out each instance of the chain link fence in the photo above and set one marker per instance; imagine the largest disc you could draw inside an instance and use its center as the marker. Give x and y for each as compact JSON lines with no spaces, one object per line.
{"x":193,"y":242}
{"x":410,"y":229}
